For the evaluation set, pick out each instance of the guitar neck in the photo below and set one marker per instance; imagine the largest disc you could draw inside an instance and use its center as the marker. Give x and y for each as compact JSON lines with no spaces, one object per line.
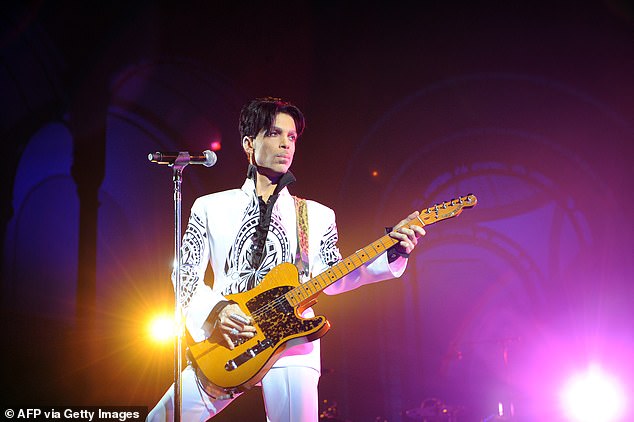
{"x":307,"y":291}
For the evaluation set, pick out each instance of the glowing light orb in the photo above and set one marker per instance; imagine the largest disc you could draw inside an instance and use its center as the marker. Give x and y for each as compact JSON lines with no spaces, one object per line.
{"x":593,"y":396}
{"x":162,"y":328}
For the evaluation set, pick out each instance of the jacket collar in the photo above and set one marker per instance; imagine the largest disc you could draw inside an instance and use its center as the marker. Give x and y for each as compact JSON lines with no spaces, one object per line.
{"x":281,"y":188}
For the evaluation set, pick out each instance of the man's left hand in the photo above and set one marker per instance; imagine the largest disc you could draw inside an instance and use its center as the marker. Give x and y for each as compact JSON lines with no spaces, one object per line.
{"x":407,"y":236}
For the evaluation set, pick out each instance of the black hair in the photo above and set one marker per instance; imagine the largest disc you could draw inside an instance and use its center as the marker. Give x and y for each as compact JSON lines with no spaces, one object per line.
{"x":259,"y":114}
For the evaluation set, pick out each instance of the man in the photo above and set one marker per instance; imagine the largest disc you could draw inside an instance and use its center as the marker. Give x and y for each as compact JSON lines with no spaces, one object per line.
{"x":246,"y":232}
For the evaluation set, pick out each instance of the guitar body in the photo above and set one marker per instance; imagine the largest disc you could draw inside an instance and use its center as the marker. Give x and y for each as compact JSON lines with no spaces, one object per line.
{"x":276,"y":322}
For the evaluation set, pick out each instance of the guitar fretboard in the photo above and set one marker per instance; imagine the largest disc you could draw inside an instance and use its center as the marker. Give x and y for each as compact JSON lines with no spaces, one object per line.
{"x":316,"y":284}
{"x":311,"y":288}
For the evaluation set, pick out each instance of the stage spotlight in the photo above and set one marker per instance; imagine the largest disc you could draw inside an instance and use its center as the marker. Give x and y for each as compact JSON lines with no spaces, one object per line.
{"x":593,"y":396}
{"x":162,"y":328}
{"x":215,"y":145}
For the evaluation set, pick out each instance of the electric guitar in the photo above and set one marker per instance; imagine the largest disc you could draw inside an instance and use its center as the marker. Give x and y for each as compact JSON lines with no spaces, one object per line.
{"x":275,"y":306}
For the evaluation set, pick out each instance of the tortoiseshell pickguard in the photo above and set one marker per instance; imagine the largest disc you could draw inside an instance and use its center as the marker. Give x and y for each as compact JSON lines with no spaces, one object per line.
{"x":276,"y":317}
{"x":277,"y":323}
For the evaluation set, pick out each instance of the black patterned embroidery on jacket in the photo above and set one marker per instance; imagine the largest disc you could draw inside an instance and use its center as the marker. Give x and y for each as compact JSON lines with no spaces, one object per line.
{"x":191,"y":255}
{"x":328,"y":250}
{"x":238,"y":265}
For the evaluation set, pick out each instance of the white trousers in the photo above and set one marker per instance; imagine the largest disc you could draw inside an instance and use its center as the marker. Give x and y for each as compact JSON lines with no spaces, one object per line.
{"x":290,"y":395}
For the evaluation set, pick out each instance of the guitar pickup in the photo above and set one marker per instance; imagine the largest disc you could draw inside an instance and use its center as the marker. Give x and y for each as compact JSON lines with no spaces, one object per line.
{"x":250,"y":353}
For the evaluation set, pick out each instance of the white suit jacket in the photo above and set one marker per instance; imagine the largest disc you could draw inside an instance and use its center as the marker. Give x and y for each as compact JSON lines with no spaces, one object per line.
{"x":219,"y":232}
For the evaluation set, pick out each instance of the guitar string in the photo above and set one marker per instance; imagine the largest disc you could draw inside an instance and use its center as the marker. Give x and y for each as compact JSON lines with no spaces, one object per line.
{"x":279,"y":301}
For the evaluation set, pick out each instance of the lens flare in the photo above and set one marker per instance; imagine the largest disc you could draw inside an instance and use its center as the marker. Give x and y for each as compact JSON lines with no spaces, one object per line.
{"x":162,"y":328}
{"x":593,"y":396}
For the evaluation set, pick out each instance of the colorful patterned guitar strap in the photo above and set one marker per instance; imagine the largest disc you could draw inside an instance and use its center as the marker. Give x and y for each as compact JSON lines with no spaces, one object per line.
{"x":301,"y":256}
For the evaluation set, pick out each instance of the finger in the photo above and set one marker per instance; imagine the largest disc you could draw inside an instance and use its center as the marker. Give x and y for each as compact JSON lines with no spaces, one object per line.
{"x":241,"y":333}
{"x":398,"y":236}
{"x":405,"y":244}
{"x":233,"y":329}
{"x":411,"y":217}
{"x":229,"y":326}
{"x":419,"y":230}
{"x":229,"y":341}
{"x":409,"y":242}
{"x":413,"y":231}
{"x":408,"y":247}
{"x":241,"y":319}
{"x":408,"y":233}
{"x":407,"y":219}
{"x":401,"y":224}
{"x":242,"y":328}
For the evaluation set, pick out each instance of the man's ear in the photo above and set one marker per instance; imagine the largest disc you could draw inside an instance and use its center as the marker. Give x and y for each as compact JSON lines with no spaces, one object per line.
{"x":247,"y":145}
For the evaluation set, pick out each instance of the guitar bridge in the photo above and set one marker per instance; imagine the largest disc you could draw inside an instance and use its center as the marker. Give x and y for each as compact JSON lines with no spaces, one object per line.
{"x":250,"y":353}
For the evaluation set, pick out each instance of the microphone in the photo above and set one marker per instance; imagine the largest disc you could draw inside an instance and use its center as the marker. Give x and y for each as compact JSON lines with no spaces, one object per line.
{"x":207,"y":158}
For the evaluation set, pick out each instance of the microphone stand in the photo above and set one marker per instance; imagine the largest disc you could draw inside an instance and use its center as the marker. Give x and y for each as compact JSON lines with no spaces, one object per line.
{"x":180,"y":161}
{"x":178,"y":166}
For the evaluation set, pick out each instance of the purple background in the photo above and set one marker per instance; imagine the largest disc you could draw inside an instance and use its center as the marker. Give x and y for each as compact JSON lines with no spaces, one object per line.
{"x":527,"y":105}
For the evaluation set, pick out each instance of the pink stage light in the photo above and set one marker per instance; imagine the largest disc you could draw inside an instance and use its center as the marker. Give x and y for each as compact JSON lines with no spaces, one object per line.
{"x":593,"y":396}
{"x":215,"y":145}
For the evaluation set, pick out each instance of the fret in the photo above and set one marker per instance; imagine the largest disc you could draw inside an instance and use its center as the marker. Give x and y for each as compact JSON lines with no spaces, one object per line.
{"x":357,"y":259}
{"x":361,"y":255}
{"x":378,"y":248}
{"x":337,"y":271}
{"x":320,"y":280}
{"x":370,"y":253}
{"x":307,"y":289}
{"x":343,"y":268}
{"x":290,"y":296}
{"x":323,"y":282}
{"x":388,"y":241}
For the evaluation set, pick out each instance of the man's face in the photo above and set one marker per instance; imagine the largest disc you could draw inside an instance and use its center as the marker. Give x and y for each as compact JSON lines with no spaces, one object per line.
{"x":274,"y":149}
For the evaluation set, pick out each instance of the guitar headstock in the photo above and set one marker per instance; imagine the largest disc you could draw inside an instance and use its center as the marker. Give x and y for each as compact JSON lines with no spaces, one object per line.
{"x":447,"y":209}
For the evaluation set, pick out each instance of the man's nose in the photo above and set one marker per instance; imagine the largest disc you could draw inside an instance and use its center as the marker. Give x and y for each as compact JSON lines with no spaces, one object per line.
{"x":285,"y":142}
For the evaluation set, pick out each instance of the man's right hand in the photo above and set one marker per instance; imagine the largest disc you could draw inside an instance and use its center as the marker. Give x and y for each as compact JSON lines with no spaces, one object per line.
{"x":233,"y":323}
